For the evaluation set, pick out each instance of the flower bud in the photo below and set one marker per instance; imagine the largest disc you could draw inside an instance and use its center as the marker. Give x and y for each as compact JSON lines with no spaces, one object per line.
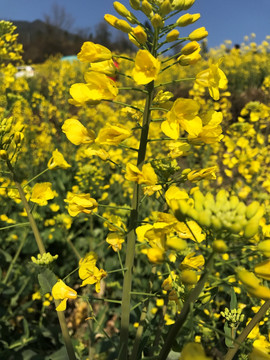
{"x":18,"y":137}
{"x":251,"y":228}
{"x":190,"y":59}
{"x":198,"y":34}
{"x":157,"y":21}
{"x":165,"y":7}
{"x":3,"y":155}
{"x":139,"y":34}
{"x":219,"y":246}
{"x":146,"y":7}
{"x":188,"y":4}
{"x":252,"y":209}
{"x":121,"y":9}
{"x":123,"y":25}
{"x":176,"y":243}
{"x":190,"y":48}
{"x":172,"y":36}
{"x":178,"y":4}
{"x":155,"y":255}
{"x":204,"y":218}
{"x":111,"y":19}
{"x":187,"y":19}
{"x":135,"y":4}
{"x":189,"y":277}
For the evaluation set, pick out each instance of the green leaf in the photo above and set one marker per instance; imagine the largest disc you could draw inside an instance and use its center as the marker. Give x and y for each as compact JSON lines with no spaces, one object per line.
{"x":233,"y":302}
{"x":47,"y":279}
{"x":228,"y":332}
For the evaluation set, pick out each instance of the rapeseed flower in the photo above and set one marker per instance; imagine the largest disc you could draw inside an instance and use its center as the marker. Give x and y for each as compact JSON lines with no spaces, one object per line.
{"x":77,"y":133}
{"x":146,"y":68}
{"x":80,"y":203}
{"x":98,"y":87}
{"x":183,"y":114}
{"x":213,"y":78}
{"x":89,"y":273}
{"x":57,"y":160}
{"x":92,"y":53}
{"x":41,"y":193}
{"x":193,"y":351}
{"x":113,"y":135}
{"x":61,"y":291}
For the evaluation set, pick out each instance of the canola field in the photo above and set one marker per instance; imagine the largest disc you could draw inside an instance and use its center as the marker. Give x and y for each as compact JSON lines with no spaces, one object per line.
{"x":135,"y":196}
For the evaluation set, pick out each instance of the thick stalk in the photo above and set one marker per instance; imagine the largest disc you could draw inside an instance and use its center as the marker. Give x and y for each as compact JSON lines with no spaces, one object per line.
{"x":185,"y":311}
{"x":256,"y":319}
{"x":131,"y":238}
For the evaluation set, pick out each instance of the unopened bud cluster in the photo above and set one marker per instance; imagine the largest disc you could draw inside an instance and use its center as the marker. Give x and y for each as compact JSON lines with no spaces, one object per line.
{"x":222,"y":212}
{"x":7,"y":136}
{"x":234,"y":317}
{"x":44,"y":259}
{"x":156,"y":11}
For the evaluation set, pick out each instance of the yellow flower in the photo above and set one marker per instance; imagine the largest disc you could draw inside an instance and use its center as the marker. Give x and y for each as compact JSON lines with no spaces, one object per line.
{"x":57,"y":159}
{"x":132,"y":172}
{"x":90,"y":274}
{"x":155,"y":255}
{"x":190,"y":59}
{"x":77,"y":133}
{"x":146,"y":68}
{"x":42,"y":192}
{"x":207,"y":173}
{"x":115,"y":240}
{"x":98,"y":87}
{"x":193,"y":351}
{"x":263,"y":269}
{"x":113,"y":135}
{"x":192,"y":261}
{"x":183,"y":113}
{"x":213,"y":78}
{"x":78,"y":203}
{"x":61,"y":291}
{"x":253,"y":284}
{"x":211,"y":131}
{"x":106,"y":67}
{"x":261,"y":349}
{"x":91,"y":52}
{"x":95,"y":150}
{"x":264,"y":247}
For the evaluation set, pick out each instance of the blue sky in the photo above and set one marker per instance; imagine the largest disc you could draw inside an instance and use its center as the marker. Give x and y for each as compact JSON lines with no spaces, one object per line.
{"x":224,"y":19}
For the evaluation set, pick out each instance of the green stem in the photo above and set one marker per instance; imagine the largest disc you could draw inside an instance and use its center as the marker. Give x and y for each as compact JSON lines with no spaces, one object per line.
{"x":255,"y":320}
{"x":114,"y":207}
{"x":35,"y":177}
{"x":175,"y":82}
{"x":193,"y":296}
{"x":131,"y":238}
{"x":15,"y":258}
{"x":65,"y":333}
{"x":32,"y":221}
{"x":13,"y":226}
{"x":132,"y":88}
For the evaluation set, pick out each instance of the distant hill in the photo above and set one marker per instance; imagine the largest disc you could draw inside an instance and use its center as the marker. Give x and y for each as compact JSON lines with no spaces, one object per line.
{"x":40,"y":40}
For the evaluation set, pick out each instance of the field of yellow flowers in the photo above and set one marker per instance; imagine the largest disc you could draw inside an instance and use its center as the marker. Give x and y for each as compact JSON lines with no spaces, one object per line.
{"x":135,"y":188}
